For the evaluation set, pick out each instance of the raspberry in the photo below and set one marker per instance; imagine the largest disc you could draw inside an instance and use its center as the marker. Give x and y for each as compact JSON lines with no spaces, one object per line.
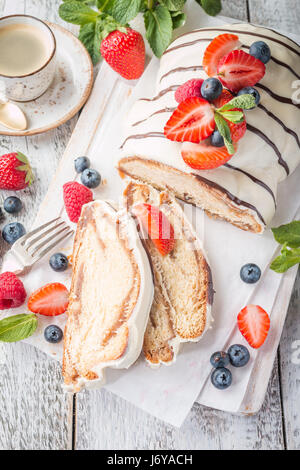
{"x":12,"y":291}
{"x":189,"y":89}
{"x":75,"y":196}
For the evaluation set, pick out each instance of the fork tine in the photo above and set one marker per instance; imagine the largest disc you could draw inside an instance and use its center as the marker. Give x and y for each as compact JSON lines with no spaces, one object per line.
{"x":49,"y":248}
{"x":45,"y":241}
{"x":43,"y":234}
{"x":33,"y":232}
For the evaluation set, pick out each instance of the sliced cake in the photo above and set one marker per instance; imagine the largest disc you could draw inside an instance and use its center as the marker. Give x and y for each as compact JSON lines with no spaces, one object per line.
{"x":183,"y":294}
{"x":241,"y":189}
{"x":110,"y":296}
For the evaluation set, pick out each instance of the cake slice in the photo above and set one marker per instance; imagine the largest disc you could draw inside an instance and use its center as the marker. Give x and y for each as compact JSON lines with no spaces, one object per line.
{"x":242,"y":191}
{"x":183,"y":293}
{"x":110,"y":296}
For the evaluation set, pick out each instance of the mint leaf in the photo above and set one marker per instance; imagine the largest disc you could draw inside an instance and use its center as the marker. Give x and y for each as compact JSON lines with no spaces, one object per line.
{"x":124,"y":11}
{"x":287,"y":259}
{"x":159,"y":28}
{"x":76,"y":12}
{"x":91,"y":38}
{"x":173,"y":5}
{"x":224,"y":130}
{"x":233,"y":116}
{"x":17,"y":327}
{"x":288,"y":234}
{"x":104,"y":5}
{"x":178,"y":19}
{"x":242,"y":102}
{"x":211,"y":7}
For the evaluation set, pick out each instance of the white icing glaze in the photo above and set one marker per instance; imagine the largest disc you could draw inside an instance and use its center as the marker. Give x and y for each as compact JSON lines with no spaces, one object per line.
{"x":138,"y":320}
{"x":255,"y":156}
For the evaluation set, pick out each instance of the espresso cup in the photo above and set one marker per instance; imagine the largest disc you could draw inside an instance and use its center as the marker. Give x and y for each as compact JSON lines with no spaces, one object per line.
{"x":27,"y":57}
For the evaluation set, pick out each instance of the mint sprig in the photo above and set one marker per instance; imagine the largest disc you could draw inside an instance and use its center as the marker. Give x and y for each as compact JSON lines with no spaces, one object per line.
{"x":288,"y":236}
{"x":224,"y":130}
{"x":17,"y":327}
{"x":241,"y":102}
{"x":97,"y":18}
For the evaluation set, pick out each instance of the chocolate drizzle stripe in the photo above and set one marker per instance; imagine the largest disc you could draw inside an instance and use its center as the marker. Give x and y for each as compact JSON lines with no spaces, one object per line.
{"x":254,"y":179}
{"x":161,"y":93}
{"x":186,"y":44}
{"x":287,"y":129}
{"x":164,"y":110}
{"x":143,"y":136}
{"x":278,"y":62}
{"x":233,"y":198}
{"x":263,"y":136}
{"x":192,"y":68}
{"x":250,"y":33}
{"x":279,"y":34}
{"x":276,"y":97}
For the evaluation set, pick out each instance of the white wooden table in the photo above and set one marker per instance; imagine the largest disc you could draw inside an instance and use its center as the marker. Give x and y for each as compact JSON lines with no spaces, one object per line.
{"x":34,"y":411}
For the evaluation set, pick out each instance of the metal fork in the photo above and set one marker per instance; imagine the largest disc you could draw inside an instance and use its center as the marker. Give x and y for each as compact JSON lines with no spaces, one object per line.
{"x":35,"y":244}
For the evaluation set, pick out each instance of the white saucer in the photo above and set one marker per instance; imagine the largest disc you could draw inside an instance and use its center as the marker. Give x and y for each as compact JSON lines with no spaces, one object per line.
{"x":69,"y":91}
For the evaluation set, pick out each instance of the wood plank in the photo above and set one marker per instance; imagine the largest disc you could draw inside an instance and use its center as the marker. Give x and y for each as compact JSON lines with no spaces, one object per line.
{"x":34,"y":413}
{"x":107,"y":422}
{"x":280,"y":14}
{"x":290,"y":370}
{"x":235,"y":9}
{"x":285,"y":15}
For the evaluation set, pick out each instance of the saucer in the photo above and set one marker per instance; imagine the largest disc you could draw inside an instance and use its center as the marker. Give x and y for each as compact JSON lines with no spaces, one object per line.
{"x":68,"y":92}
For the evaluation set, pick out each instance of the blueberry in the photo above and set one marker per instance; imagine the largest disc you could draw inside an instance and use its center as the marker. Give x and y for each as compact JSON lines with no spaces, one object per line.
{"x":211,"y":89}
{"x":219,"y":359}
{"x":11,"y":232}
{"x":59,"y":262}
{"x":239,"y":355}
{"x":81,"y":164}
{"x":221,"y":378}
{"x":216,"y":139}
{"x":261,"y":51}
{"x":249,"y":90}
{"x":53,"y":334}
{"x":12,"y":205}
{"x":90,"y":178}
{"x":250,"y":273}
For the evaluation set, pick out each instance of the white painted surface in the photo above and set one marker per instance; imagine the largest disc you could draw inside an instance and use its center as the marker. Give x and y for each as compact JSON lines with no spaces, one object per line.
{"x":34,"y":412}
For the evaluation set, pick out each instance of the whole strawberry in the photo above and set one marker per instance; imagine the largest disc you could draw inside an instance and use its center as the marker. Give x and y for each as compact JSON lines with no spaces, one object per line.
{"x":125,"y":53}
{"x":75,"y":196}
{"x":12,"y":291}
{"x":15,"y":171}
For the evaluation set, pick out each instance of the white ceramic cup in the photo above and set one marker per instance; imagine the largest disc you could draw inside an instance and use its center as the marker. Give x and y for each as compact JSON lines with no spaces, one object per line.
{"x":31,"y":85}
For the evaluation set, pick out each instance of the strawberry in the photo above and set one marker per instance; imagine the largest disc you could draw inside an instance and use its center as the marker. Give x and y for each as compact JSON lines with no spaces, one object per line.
{"x":189,"y":89}
{"x":15,"y":171}
{"x":192,"y":121}
{"x":220,"y":46}
{"x":254,"y":324}
{"x":237,"y":131}
{"x":204,"y":156}
{"x":157,"y":225}
{"x":125,"y":53}
{"x":75,"y":196}
{"x":238,"y":70}
{"x":50,"y":300}
{"x":12,"y":291}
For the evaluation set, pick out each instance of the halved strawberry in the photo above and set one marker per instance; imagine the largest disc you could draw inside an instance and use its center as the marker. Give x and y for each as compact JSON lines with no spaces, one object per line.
{"x":214,"y":52}
{"x":157,"y":226}
{"x":50,"y":300}
{"x":238,"y":70}
{"x":237,"y":131}
{"x":192,"y":121}
{"x":254,"y":324}
{"x":204,"y":156}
